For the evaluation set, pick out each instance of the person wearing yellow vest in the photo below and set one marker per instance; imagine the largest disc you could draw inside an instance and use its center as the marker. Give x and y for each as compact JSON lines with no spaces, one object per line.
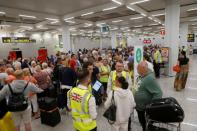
{"x":157,"y":61}
{"x":118,"y":72}
{"x":104,"y":74}
{"x":82,"y":104}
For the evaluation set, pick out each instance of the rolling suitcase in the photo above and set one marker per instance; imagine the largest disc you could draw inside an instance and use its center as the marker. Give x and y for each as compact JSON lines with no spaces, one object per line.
{"x":49,"y":112}
{"x":51,"y":118}
{"x":47,"y":103}
{"x":165,"y":110}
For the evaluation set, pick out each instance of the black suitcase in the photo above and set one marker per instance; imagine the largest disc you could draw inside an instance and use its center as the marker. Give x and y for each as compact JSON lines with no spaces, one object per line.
{"x":51,"y":118}
{"x":165,"y":110}
{"x":47,"y":103}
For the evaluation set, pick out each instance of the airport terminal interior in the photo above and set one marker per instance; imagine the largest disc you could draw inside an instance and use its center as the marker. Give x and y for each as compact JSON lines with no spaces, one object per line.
{"x":39,"y":38}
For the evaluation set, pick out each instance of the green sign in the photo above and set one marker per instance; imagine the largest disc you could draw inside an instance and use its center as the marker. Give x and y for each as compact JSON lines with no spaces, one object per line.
{"x":138,"y":55}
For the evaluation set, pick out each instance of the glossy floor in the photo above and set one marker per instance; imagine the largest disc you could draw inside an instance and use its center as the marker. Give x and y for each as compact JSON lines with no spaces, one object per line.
{"x":187,"y":98}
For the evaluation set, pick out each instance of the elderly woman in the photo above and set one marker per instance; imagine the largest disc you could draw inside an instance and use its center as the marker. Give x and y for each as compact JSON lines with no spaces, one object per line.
{"x":43,"y":80}
{"x":47,"y":69}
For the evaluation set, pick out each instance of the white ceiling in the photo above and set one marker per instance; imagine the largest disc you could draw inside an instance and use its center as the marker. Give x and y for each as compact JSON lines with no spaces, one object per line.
{"x":61,"y":9}
{"x":56,"y":7}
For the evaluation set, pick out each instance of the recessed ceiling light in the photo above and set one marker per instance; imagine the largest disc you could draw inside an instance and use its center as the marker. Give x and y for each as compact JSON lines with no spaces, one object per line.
{"x":138,"y":26}
{"x":138,"y":2}
{"x":28,"y":27}
{"x":130,"y":8}
{"x":72,"y":22}
{"x":116,"y":21}
{"x":135,"y":18}
{"x":6,"y":25}
{"x":27,"y":16}
{"x":110,"y":8}
{"x":158,"y":15}
{"x":69,"y":18}
{"x":143,"y":14}
{"x":89,"y":13}
{"x":193,"y":20}
{"x":54,"y":22}
{"x":1,"y":12}
{"x":88,"y":25}
{"x":117,"y":2}
{"x":192,"y":9}
{"x":52,"y":19}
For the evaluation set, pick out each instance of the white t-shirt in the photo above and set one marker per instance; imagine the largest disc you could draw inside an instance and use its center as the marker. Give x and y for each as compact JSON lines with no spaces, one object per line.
{"x":150,"y":66}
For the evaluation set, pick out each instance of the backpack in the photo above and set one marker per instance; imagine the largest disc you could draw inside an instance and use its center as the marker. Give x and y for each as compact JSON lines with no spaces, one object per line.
{"x":17,"y":101}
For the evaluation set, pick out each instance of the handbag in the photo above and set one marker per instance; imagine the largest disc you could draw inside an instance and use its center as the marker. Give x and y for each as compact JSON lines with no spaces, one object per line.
{"x":177,"y":68}
{"x":110,"y":113}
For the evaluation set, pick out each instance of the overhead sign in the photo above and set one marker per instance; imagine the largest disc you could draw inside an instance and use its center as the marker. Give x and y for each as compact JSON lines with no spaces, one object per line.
{"x":17,"y":40}
{"x":190,"y":37}
{"x":147,"y":41}
{"x":105,"y":29}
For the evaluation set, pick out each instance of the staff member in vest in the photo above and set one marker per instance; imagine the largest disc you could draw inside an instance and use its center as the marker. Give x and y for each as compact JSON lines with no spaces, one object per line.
{"x":83,"y":104}
{"x":104,"y":74}
{"x":157,"y":61}
{"x":118,"y":72}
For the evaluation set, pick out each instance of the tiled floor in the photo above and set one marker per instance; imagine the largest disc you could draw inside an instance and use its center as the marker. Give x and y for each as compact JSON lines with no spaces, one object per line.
{"x":187,"y":99}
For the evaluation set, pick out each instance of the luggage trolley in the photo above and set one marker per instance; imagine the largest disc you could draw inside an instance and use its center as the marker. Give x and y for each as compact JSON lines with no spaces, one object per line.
{"x":161,"y":126}
{"x":164,"y":114}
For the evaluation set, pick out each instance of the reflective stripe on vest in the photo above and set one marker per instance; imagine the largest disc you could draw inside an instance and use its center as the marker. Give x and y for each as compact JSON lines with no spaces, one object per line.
{"x":124,"y":74}
{"x":79,"y":101}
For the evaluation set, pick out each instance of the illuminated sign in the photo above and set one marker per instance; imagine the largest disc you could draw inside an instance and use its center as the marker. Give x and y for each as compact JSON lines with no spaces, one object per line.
{"x":17,"y":40}
{"x":190,"y":38}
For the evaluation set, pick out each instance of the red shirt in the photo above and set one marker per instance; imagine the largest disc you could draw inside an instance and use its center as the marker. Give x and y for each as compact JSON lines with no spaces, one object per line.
{"x":73,"y":64}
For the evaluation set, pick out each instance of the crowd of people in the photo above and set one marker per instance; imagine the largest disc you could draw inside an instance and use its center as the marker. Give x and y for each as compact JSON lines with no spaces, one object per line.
{"x":74,"y":76}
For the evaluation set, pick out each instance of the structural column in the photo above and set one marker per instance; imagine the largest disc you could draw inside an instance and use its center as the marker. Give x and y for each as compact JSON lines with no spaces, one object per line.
{"x":113,"y":39}
{"x":66,"y":38}
{"x":183,"y":33}
{"x":101,"y":42}
{"x":172,"y":22}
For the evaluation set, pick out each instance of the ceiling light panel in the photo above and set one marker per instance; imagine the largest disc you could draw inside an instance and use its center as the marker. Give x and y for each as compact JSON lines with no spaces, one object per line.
{"x":117,"y":21}
{"x":110,"y":8}
{"x":192,"y":9}
{"x":135,"y":18}
{"x":27,"y":16}
{"x":69,"y":21}
{"x":69,"y":18}
{"x":117,"y":2}
{"x":158,"y":15}
{"x":3,"y":13}
{"x":89,"y":13}
{"x":130,"y":8}
{"x":138,"y":2}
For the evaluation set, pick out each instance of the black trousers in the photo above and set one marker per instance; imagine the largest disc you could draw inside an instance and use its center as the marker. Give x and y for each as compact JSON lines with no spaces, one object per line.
{"x":95,"y":129}
{"x":142,"y":120}
{"x":157,"y":69}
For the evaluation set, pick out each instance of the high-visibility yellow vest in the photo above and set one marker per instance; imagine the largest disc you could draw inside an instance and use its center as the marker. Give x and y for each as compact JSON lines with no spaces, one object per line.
{"x":157,"y":57}
{"x":79,"y":101}
{"x":104,"y":78}
{"x":89,"y":87}
{"x":124,"y":74}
